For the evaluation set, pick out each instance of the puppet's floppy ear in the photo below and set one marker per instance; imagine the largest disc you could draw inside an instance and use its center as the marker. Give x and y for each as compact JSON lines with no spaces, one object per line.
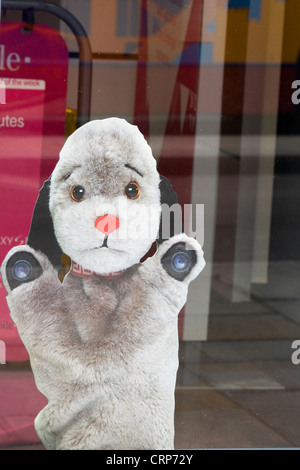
{"x":168,"y":198}
{"x":41,"y":235}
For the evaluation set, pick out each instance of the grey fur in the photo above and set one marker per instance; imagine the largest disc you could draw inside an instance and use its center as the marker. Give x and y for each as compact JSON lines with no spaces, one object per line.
{"x":103,"y":351}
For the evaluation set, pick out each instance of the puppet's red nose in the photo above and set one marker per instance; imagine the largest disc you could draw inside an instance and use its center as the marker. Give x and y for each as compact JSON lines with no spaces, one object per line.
{"x":107,"y":223}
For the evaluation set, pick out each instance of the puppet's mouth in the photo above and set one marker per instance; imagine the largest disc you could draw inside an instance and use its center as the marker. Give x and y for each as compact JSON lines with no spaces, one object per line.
{"x":105,"y":245}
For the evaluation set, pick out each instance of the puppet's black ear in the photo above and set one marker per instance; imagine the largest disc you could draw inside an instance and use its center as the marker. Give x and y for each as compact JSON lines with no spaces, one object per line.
{"x":41,"y":235}
{"x":171,"y":218}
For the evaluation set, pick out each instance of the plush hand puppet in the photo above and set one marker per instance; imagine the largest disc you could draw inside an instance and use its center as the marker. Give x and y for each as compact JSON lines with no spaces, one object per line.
{"x":103,"y":344}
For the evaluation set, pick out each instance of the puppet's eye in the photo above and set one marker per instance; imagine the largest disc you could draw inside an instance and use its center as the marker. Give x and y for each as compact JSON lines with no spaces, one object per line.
{"x":77,"y":193}
{"x":132,"y":190}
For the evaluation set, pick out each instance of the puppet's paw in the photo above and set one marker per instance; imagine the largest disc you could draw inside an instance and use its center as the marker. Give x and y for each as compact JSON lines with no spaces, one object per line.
{"x":20,"y":266}
{"x":184,"y":259}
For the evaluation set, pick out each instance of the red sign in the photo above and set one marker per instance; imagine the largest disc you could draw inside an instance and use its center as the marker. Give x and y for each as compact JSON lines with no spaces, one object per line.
{"x":33,"y":80}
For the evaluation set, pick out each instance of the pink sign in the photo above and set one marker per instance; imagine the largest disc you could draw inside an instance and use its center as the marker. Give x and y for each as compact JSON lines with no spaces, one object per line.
{"x":32,"y":115}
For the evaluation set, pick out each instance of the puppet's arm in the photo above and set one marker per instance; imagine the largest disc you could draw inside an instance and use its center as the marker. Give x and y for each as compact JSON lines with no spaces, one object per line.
{"x":37,"y":306}
{"x":35,"y":298}
{"x":176,"y":263}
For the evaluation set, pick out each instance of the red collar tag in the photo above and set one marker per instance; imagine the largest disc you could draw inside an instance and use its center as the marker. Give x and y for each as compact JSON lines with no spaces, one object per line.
{"x":78,"y":270}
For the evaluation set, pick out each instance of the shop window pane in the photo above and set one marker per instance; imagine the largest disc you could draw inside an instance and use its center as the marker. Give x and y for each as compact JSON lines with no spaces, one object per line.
{"x":214,"y":88}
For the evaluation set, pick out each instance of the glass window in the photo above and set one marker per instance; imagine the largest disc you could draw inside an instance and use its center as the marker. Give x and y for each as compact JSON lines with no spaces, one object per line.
{"x":214,"y":87}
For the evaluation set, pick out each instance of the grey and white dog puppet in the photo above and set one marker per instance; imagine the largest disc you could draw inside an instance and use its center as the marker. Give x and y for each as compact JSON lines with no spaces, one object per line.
{"x":103,"y":344}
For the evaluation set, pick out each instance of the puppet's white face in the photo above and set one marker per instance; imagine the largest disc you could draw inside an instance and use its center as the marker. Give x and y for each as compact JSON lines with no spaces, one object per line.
{"x":104,"y":196}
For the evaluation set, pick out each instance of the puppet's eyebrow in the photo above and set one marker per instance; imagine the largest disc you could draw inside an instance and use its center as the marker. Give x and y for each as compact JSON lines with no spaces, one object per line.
{"x":67,"y":175}
{"x":134,"y":169}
